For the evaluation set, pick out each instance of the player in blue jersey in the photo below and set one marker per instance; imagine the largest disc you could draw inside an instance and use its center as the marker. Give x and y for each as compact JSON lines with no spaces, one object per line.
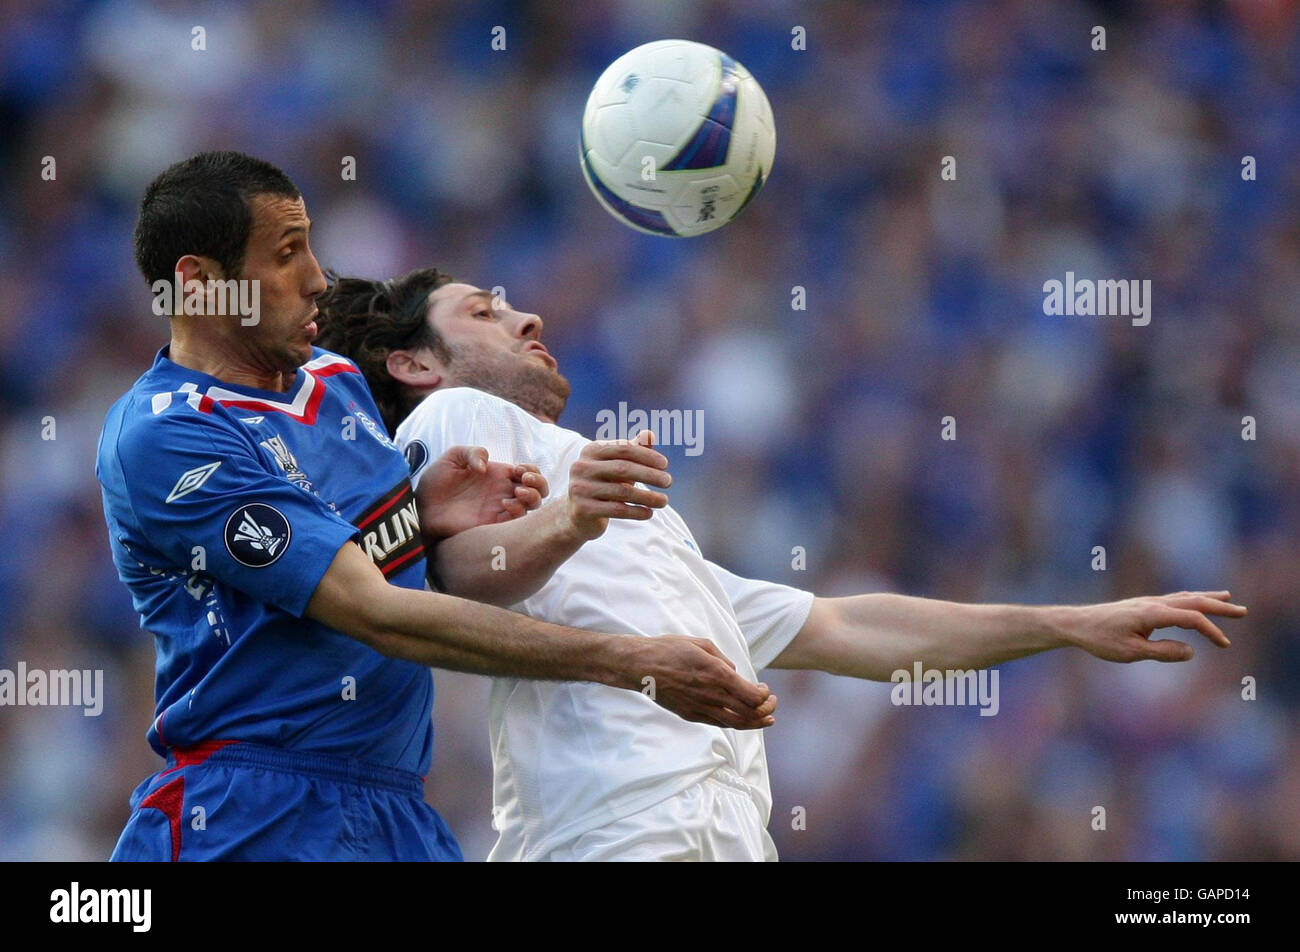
{"x":266,"y":528}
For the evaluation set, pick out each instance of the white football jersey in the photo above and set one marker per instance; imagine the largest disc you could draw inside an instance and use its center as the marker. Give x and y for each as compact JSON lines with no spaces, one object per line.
{"x":569,"y":757}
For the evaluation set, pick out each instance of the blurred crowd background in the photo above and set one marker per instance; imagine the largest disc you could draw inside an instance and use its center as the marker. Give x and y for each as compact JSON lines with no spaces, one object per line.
{"x":821,"y":426}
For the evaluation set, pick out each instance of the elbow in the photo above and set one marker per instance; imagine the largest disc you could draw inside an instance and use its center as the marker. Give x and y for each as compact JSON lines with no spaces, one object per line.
{"x":354,"y":599}
{"x":807,"y":651}
{"x":382,"y":632}
{"x":832,"y":641}
{"x":379,"y":639}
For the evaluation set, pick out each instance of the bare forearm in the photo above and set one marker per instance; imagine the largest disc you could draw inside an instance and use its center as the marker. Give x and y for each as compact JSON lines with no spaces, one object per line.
{"x":507,"y":562}
{"x":871,"y":636}
{"x":445,"y":632}
{"x":688,"y":676}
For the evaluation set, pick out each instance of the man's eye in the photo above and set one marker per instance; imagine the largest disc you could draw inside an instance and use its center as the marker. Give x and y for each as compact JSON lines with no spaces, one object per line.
{"x":286,"y":254}
{"x":482,"y":312}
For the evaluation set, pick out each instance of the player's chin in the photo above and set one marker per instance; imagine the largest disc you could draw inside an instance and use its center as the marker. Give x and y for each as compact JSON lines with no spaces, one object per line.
{"x":300,"y":353}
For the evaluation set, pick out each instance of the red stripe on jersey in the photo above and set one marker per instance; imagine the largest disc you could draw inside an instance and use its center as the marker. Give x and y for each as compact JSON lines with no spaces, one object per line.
{"x":396,"y":564}
{"x":332,"y":369}
{"x":382,"y":509}
{"x":315,"y":380}
{"x":308,"y":415}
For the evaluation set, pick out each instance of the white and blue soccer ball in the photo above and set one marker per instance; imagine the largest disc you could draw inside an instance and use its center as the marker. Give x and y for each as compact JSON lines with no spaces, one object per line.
{"x":677,"y":138}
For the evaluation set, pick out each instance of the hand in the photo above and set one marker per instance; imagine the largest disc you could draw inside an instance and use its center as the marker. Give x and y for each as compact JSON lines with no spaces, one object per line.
{"x":602,"y":484}
{"x":462,"y":489}
{"x":697,"y":682}
{"x":1120,"y":631}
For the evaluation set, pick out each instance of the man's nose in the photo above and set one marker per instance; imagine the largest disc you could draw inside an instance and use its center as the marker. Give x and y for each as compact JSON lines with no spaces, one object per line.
{"x":528,"y":325}
{"x":316,"y":283}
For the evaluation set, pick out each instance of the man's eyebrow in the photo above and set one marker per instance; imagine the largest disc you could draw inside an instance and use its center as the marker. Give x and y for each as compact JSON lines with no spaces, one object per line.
{"x":486,"y":294}
{"x":295,"y":228}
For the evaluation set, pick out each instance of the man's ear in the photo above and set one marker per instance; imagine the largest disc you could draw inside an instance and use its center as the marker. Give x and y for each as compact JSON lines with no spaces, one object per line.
{"x":195,"y":268}
{"x":198,"y":268}
{"x":414,"y":368}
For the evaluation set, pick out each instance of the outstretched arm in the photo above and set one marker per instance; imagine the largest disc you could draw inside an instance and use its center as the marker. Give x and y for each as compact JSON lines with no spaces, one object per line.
{"x":689,"y":676}
{"x":871,"y":636}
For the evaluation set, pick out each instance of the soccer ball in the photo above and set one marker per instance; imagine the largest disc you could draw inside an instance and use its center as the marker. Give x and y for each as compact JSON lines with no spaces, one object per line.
{"x":677,"y":138}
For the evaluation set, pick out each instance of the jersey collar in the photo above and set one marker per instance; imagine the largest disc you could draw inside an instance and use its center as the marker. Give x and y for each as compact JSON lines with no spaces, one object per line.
{"x":301,"y":402}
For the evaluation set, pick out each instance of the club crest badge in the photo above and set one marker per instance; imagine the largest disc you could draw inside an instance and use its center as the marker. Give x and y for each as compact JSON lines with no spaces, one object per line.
{"x":257,"y":535}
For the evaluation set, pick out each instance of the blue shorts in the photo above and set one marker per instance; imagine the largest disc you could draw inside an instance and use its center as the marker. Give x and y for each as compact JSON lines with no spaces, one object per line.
{"x":236,"y":801}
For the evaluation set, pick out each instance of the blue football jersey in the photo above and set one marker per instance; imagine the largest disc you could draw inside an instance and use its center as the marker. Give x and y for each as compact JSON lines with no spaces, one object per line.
{"x":225,"y":506}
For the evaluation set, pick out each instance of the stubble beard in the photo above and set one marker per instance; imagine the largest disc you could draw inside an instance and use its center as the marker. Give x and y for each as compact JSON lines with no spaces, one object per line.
{"x":529,"y":385}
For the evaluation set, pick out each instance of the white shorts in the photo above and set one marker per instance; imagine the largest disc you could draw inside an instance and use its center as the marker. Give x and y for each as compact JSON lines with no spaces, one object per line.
{"x":716,"y":820}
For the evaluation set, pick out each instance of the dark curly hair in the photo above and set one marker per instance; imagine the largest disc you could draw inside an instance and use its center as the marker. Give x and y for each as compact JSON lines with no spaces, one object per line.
{"x":366,"y":321}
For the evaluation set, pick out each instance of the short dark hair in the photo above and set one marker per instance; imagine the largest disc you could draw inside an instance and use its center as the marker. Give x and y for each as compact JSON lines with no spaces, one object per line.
{"x":201,"y":206}
{"x":367,"y":320}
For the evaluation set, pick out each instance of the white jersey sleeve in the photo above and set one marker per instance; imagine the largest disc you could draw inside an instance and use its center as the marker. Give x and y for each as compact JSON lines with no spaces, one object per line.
{"x":770,"y":614}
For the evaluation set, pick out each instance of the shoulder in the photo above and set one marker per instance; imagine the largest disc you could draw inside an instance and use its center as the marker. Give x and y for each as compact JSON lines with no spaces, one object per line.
{"x":454,"y":398}
{"x":148,"y":425}
{"x":458,"y":408}
{"x":160,"y":444}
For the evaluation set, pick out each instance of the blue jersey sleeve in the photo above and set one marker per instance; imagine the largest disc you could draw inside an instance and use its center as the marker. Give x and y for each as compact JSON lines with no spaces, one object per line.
{"x":205,"y":497}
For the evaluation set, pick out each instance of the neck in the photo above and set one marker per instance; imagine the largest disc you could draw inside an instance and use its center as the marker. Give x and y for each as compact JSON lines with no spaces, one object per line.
{"x":226,"y":366}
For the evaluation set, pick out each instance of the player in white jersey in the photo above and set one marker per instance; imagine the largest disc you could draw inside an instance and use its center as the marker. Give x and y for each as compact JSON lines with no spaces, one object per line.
{"x":569,"y":758}
{"x":583,"y":771}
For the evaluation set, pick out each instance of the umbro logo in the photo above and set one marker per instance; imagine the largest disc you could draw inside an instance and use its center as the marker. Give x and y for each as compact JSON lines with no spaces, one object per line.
{"x":257,"y":535}
{"x":192,"y":480}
